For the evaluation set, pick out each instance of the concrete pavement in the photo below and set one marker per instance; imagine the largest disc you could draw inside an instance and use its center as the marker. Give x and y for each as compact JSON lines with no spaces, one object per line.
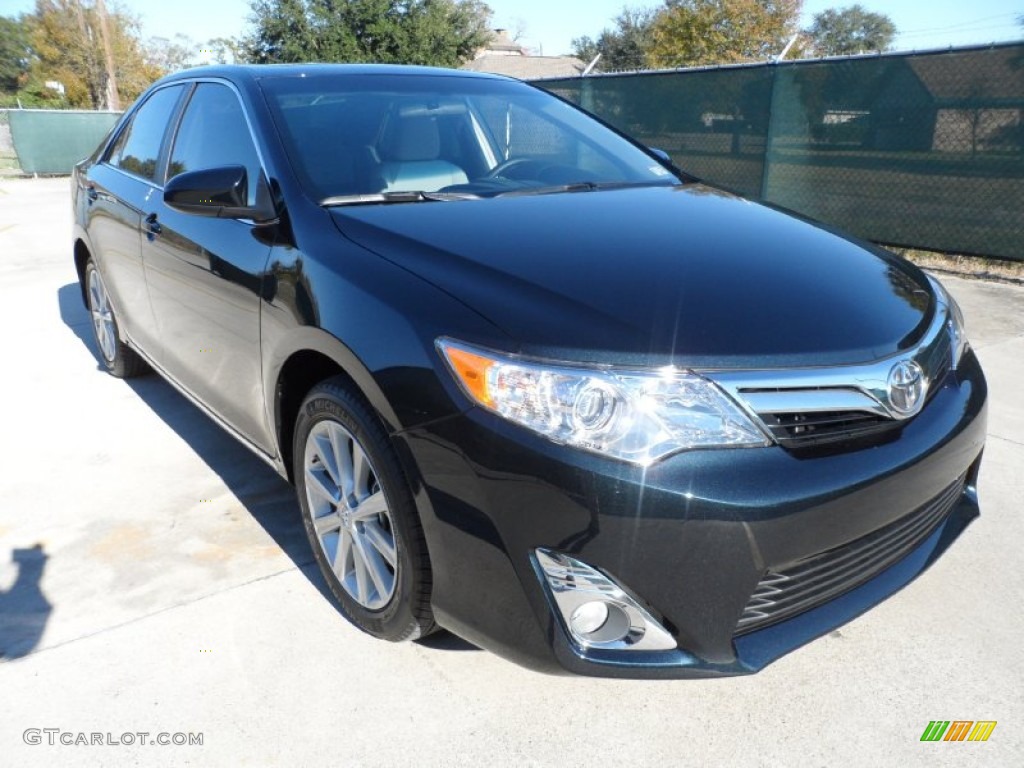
{"x":154,"y":577}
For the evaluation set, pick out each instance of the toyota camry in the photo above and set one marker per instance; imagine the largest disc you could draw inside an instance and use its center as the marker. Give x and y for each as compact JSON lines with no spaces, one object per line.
{"x":533,"y":383}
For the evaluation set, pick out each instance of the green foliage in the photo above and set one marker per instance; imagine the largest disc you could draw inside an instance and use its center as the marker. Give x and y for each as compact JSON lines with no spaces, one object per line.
{"x":434,"y":32}
{"x":15,"y":53}
{"x":67,"y":42}
{"x":622,"y":48}
{"x":222,"y":50}
{"x":171,"y":55}
{"x":688,"y":33}
{"x":846,"y":31}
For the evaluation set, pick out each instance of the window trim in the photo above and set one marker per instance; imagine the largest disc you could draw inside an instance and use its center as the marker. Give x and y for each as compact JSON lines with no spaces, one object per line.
{"x":183,"y":107}
{"x":170,"y":135}
{"x":161,"y":158}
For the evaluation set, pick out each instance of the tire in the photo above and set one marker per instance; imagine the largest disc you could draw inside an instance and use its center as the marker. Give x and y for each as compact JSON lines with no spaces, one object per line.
{"x":366,"y":537}
{"x":119,"y":359}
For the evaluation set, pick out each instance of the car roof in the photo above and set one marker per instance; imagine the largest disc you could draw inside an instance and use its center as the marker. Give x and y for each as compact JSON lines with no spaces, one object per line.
{"x":252,"y":72}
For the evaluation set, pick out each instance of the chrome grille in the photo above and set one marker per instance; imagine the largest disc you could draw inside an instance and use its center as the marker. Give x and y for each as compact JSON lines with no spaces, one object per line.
{"x":798,"y":429}
{"x":815,"y":580}
{"x":841,"y":404}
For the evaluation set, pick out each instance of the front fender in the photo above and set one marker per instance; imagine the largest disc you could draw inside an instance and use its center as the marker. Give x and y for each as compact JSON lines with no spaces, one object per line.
{"x":374,"y":320}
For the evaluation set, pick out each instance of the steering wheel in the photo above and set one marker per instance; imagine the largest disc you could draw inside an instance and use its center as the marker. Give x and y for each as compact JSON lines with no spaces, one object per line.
{"x":516,"y":162}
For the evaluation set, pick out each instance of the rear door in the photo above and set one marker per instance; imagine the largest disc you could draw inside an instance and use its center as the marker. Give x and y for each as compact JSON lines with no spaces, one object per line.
{"x":205,"y":274}
{"x":117,"y":191}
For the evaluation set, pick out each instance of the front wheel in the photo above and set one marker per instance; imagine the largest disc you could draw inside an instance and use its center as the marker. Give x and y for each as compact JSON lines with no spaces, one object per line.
{"x":119,"y":359}
{"x":360,"y":517}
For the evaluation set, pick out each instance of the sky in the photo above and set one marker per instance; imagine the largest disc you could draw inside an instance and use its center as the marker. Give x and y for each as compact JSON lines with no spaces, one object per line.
{"x":550,"y":26}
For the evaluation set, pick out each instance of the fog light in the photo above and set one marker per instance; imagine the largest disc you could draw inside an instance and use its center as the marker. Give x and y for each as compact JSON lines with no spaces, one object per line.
{"x":589,"y":617}
{"x":595,"y":610}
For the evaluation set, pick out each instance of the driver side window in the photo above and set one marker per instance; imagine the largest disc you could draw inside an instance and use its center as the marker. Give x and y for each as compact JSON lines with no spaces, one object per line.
{"x":137,"y":149}
{"x":214,"y":133}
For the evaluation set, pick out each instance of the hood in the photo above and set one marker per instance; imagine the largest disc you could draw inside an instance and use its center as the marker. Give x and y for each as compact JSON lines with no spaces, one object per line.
{"x":689,"y":275}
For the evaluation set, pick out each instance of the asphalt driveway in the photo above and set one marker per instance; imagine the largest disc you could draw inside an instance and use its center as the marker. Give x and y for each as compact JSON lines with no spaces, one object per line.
{"x":154,"y":578}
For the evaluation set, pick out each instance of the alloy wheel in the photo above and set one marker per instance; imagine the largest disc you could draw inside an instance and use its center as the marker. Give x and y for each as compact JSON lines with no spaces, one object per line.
{"x":350,"y":515}
{"x":102,"y":316}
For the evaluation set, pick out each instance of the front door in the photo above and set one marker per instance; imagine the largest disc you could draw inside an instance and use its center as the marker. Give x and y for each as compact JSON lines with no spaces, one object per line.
{"x":205,"y":274}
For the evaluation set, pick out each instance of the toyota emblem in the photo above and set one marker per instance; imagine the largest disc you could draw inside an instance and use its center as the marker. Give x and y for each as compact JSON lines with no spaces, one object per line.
{"x":906,"y":387}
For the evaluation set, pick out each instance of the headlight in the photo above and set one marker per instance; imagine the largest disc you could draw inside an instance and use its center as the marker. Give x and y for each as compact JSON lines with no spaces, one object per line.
{"x":637,"y":416}
{"x":954,"y":323}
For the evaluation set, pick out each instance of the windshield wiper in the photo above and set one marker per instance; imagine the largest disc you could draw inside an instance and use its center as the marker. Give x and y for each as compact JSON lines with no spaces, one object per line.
{"x":580,"y":186}
{"x":417,"y":196}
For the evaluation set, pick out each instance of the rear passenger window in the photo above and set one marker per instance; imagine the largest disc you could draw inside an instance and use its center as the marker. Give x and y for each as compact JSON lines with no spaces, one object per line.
{"x":137,"y":149}
{"x":214,"y":133}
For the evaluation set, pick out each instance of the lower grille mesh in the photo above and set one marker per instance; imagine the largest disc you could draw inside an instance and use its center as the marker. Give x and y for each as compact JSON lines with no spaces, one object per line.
{"x":816,"y":580}
{"x":800,"y":429}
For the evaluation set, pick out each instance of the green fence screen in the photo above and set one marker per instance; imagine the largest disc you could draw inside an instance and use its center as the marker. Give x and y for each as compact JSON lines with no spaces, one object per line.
{"x":920,"y":150}
{"x":52,"y":141}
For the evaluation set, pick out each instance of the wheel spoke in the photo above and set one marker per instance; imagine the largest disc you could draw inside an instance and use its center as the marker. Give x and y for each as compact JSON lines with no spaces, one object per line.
{"x":341,"y":554}
{"x":381,"y":541}
{"x":328,"y":457}
{"x":328,"y":523}
{"x":359,"y":566}
{"x":95,"y":294}
{"x":320,"y":485}
{"x":360,"y":471}
{"x":342,"y":444}
{"x":371,"y":507}
{"x":373,"y":564}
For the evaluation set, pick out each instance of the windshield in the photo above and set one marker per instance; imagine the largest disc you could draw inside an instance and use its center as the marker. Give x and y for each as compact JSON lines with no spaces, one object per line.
{"x":376,"y":138}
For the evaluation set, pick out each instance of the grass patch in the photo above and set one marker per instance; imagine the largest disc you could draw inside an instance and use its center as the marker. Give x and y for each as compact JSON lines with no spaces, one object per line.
{"x":972,"y":267}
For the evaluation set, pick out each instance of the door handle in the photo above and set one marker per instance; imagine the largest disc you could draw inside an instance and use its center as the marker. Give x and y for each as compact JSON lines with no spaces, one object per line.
{"x":153,"y":226}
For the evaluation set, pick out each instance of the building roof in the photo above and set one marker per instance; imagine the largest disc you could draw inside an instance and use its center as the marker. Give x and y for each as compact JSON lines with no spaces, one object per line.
{"x":527,"y":67}
{"x":501,"y":42}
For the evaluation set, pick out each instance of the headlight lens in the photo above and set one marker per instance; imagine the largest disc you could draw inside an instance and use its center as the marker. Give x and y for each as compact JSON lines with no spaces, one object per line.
{"x":636,"y":416}
{"x":954,"y":324}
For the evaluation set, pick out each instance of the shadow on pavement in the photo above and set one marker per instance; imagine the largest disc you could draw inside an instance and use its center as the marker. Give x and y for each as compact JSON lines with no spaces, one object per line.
{"x":264,"y":494}
{"x":268,"y":498}
{"x":24,"y":609}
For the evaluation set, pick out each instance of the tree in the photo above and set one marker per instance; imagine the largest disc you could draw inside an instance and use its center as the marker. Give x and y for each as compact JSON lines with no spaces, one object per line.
{"x":15,"y":53}
{"x":435,"y":32}
{"x":846,"y":31}
{"x":74,"y":47}
{"x":222,"y":50}
{"x":169,"y":55}
{"x":689,"y":33}
{"x":622,"y":48}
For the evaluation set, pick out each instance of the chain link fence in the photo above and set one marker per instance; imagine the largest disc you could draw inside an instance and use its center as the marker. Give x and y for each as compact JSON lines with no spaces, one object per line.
{"x":8,"y":157}
{"x":49,"y":141}
{"x":916,"y":150}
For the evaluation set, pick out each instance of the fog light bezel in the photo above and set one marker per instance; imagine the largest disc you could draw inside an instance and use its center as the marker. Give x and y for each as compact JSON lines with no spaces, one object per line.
{"x":572,"y":583}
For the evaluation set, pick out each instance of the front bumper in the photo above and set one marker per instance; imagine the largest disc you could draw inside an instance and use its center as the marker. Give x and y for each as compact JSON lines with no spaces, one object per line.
{"x":691,"y":537}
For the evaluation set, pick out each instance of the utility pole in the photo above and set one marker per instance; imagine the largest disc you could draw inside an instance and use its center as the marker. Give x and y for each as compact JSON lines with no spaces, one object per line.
{"x":113,"y":99}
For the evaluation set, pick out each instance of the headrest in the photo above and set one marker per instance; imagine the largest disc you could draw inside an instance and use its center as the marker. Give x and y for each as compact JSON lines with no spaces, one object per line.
{"x":412,"y":139}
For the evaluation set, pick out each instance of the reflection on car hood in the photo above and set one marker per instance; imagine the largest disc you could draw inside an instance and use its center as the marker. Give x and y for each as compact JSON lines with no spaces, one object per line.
{"x":690,"y":274}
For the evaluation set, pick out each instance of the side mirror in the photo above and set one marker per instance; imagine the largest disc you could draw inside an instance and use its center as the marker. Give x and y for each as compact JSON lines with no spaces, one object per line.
{"x":661,"y":154}
{"x":219,"y":193}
